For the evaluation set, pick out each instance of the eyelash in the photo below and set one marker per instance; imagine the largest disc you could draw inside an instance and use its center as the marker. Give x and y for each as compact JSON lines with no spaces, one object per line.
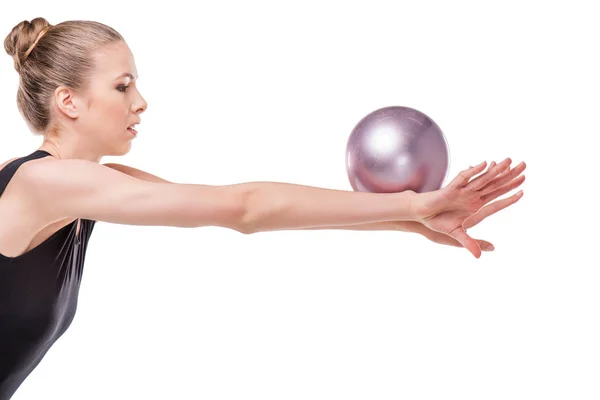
{"x":124,"y":87}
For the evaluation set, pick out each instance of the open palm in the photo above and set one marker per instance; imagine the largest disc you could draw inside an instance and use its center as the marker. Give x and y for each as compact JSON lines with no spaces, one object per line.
{"x":452,"y":209}
{"x":473,"y":220}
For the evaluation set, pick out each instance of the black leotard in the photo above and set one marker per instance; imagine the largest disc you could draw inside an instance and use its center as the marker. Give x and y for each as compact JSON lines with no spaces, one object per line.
{"x":38,"y":294}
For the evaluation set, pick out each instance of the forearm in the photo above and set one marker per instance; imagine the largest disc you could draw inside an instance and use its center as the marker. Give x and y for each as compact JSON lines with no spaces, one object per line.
{"x":284,"y":206}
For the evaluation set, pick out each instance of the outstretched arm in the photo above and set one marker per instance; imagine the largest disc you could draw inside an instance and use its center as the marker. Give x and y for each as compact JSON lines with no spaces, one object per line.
{"x":83,"y":189}
{"x":398,"y":226}
{"x":401,"y":226}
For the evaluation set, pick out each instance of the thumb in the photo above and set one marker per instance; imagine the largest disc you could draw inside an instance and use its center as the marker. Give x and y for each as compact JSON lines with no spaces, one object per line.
{"x":466,"y":241}
{"x":485,"y":245}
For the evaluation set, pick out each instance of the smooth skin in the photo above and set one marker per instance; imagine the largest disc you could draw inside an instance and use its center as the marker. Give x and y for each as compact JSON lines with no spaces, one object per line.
{"x":438,"y":229}
{"x":462,"y":203}
{"x":91,"y":124}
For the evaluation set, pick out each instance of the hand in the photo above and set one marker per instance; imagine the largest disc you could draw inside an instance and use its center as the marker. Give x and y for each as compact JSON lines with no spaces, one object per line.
{"x":490,"y":209}
{"x":446,"y":210}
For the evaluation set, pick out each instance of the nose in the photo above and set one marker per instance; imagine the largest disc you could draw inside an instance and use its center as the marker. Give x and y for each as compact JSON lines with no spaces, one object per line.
{"x":140,"y":106}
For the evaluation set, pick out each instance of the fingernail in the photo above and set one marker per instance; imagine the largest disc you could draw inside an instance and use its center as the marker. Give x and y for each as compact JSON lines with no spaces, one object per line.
{"x":519,"y":193}
{"x":489,"y":248}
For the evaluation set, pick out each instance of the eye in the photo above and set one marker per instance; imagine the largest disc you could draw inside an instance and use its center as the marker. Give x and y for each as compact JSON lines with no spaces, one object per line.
{"x":122,"y":88}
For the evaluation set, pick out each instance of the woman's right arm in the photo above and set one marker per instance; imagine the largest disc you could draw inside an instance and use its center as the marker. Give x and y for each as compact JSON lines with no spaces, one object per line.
{"x":83,"y":189}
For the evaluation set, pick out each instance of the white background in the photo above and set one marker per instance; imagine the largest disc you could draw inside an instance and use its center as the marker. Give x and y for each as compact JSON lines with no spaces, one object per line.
{"x":244,"y":91}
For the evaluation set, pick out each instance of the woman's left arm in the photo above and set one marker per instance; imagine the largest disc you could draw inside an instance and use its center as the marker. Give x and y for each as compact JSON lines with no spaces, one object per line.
{"x":400,"y":226}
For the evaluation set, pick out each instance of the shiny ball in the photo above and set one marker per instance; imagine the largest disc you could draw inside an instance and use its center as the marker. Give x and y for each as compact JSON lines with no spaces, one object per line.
{"x":394,"y":149}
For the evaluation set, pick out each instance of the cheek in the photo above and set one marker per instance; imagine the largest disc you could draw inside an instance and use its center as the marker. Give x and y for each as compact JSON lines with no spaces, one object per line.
{"x":108,"y":113}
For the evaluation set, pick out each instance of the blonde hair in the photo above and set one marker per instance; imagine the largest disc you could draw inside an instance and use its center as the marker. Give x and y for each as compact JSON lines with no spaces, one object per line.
{"x":48,"y":56}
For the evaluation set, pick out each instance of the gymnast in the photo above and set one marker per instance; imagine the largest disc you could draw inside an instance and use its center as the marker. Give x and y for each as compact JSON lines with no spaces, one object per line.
{"x":78,"y":92}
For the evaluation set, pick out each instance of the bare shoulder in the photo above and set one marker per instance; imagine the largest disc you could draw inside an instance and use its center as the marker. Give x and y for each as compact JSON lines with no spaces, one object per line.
{"x":18,"y":185}
{"x":54,"y":180}
{"x":4,"y":164}
{"x":52,"y":174}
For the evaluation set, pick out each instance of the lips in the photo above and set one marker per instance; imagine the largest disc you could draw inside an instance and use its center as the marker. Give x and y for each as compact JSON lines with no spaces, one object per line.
{"x":131,"y":128}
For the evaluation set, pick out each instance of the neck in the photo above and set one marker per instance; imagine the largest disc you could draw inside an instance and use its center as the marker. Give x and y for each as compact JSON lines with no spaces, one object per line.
{"x":63,"y":148}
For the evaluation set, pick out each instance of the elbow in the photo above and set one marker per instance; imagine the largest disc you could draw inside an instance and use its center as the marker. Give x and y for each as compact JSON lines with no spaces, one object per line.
{"x":246,"y":223}
{"x":259,"y":211}
{"x":249,"y":215}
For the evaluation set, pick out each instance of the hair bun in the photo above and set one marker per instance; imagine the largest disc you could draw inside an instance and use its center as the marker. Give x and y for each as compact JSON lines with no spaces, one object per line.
{"x":22,"y":39}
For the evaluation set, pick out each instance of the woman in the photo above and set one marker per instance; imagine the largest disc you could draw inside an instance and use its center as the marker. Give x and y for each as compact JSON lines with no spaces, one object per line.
{"x":78,"y":90}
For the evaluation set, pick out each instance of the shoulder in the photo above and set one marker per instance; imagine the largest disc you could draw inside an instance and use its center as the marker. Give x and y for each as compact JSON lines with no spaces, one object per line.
{"x":55,"y":168}
{"x":56,"y":175}
{"x":4,"y":164}
{"x":51,"y":178}
{"x":67,"y":188}
{"x":49,"y":171}
{"x":22,"y":179}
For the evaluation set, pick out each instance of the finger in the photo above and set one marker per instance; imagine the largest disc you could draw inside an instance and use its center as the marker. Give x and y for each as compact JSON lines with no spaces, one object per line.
{"x":484,"y":179}
{"x":485,"y":245}
{"x":506,"y":171}
{"x":466,"y":241}
{"x":504,"y":178}
{"x":503,"y":190}
{"x":492,"y":165}
{"x":491,"y":209}
{"x":463,"y":177}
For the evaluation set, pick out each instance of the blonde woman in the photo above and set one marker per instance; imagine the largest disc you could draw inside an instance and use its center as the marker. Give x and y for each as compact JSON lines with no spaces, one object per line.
{"x":78,"y":91}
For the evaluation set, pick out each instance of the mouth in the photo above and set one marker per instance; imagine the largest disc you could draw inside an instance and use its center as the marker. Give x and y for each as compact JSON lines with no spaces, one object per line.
{"x":131,"y":129}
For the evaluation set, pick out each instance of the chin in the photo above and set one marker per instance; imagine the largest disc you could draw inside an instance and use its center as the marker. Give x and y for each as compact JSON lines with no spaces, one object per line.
{"x":121,"y":150}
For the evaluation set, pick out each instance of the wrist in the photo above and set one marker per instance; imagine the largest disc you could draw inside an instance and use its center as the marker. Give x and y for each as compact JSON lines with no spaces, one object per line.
{"x":413,"y":199}
{"x":422,"y":206}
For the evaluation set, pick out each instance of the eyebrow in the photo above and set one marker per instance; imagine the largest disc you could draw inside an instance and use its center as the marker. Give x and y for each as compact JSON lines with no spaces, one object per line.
{"x":125,"y":74}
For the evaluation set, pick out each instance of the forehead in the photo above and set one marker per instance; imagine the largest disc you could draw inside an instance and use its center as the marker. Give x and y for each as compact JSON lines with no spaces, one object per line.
{"x":113,"y":60}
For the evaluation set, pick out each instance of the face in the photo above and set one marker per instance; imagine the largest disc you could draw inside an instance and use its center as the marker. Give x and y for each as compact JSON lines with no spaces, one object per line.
{"x":112,"y":102}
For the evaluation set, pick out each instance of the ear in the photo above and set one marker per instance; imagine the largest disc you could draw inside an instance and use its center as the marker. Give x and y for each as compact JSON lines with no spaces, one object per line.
{"x":66,"y":102}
